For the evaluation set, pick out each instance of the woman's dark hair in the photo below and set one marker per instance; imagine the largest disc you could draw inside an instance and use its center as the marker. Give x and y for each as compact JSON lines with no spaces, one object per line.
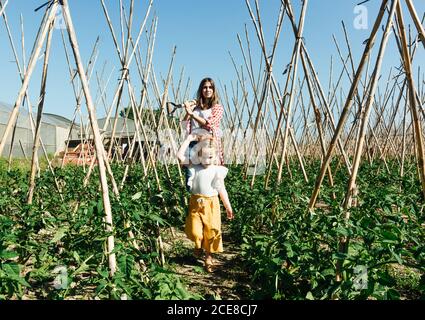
{"x":208,"y":102}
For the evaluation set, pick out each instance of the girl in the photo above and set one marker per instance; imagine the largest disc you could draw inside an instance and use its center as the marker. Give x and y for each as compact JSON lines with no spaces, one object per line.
{"x":203,"y":223}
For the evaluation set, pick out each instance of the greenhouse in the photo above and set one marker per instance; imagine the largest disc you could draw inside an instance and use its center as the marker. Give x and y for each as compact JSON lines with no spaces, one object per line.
{"x":54,"y":132}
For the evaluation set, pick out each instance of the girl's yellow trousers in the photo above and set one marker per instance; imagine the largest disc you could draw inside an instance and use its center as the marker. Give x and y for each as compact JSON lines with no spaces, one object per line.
{"x":203,"y":223}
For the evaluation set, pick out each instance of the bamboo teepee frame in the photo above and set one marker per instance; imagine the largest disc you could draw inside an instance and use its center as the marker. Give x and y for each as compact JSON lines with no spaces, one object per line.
{"x":371,"y":137}
{"x":46,"y":31}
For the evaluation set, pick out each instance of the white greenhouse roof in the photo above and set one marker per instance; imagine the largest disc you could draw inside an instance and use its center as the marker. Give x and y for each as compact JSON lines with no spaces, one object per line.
{"x":23,"y":118}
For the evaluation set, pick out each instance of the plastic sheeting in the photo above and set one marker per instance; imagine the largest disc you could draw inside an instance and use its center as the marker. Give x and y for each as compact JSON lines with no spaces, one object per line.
{"x":54,"y":132}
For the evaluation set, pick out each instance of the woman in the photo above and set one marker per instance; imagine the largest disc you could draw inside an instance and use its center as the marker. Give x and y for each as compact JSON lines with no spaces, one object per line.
{"x":205,"y":114}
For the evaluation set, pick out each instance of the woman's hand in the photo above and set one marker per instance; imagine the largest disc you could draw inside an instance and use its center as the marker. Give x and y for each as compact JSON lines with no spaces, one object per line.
{"x":189,"y":106}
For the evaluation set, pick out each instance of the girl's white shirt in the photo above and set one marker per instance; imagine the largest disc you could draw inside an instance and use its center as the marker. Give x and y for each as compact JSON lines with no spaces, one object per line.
{"x":207,"y":181}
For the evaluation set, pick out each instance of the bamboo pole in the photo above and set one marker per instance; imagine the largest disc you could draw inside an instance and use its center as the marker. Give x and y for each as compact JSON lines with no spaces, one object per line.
{"x":412,"y":99}
{"x":283,"y":112}
{"x":268,"y":75}
{"x":3,"y":7}
{"x":21,"y":74}
{"x":327,"y":108}
{"x":23,"y":150}
{"x":291,"y":95}
{"x":23,"y":103}
{"x":100,"y":152}
{"x":39,"y":113}
{"x":129,"y":27}
{"x":304,"y":51}
{"x":25,"y":83}
{"x":318,"y":120}
{"x":347,"y":106}
{"x":138,"y":122}
{"x":366,"y":111}
{"x":77,"y":94}
{"x":78,"y":97}
{"x":124,"y":64}
{"x":416,"y":20}
{"x":362,"y":132}
{"x":162,"y":117}
{"x":393,"y":118}
{"x":9,"y":160}
{"x":125,"y":69}
{"x":145,"y":78}
{"x":159,"y":238}
{"x":125,"y":76}
{"x":245,"y":95}
{"x":239,"y":75}
{"x":291,"y":131}
{"x":372,"y":129}
{"x":403,"y":151}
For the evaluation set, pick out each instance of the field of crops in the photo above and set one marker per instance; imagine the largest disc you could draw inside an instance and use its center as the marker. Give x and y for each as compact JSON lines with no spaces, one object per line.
{"x":55,"y":249}
{"x":317,"y":110}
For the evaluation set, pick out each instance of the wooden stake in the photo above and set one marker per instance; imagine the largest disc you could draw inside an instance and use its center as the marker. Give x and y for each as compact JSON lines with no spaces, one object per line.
{"x":362,"y":132}
{"x":25,"y":83}
{"x":100,"y":151}
{"x":3,"y":7}
{"x":39,"y":113}
{"x":416,"y":20}
{"x":347,"y":106}
{"x":412,"y":99}
{"x":291,"y":95}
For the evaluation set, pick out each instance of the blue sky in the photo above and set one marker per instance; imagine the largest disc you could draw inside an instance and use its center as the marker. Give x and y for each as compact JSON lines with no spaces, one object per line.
{"x":203,"y":32}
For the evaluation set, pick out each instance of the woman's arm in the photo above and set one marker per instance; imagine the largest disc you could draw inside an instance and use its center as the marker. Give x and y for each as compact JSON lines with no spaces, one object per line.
{"x":200,"y":120}
{"x":213,"y":122}
{"x":189,"y":106}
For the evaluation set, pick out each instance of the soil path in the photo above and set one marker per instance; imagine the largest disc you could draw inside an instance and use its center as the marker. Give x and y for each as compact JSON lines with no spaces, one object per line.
{"x":229,"y":281}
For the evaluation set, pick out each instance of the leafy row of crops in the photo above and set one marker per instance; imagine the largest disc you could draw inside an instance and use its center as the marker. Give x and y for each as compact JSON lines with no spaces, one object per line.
{"x":55,"y":248}
{"x":291,"y":252}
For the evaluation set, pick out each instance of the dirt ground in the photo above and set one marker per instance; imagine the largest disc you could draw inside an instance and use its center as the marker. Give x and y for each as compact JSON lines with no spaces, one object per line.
{"x":229,"y":281}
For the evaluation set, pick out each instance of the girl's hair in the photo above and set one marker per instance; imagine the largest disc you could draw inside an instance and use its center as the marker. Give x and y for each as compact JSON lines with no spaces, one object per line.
{"x":207,"y":102}
{"x":207,"y":141}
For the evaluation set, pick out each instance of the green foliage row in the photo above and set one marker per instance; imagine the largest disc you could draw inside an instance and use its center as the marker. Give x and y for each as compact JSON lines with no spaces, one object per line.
{"x":293,"y":253}
{"x":59,"y":240}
